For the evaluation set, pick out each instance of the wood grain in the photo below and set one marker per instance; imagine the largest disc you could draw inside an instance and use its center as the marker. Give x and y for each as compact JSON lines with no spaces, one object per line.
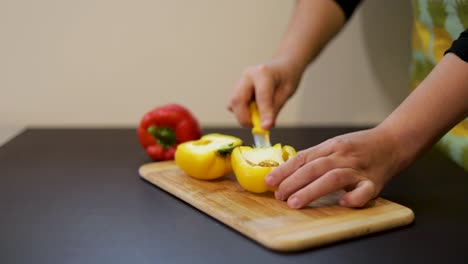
{"x":269,"y":221}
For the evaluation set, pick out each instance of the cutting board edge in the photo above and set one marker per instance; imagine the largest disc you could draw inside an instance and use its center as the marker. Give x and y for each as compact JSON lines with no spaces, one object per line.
{"x":288,"y":243}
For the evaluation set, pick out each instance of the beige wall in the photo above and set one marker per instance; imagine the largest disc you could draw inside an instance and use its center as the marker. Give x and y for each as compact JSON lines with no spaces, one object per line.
{"x":106,"y":62}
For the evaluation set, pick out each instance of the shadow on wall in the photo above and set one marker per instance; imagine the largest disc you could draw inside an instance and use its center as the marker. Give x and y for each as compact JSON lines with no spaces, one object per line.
{"x":386,"y":27}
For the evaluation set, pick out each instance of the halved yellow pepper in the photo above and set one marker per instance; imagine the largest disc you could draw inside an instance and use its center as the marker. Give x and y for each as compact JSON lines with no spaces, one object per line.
{"x":251,"y":165}
{"x":207,"y":158}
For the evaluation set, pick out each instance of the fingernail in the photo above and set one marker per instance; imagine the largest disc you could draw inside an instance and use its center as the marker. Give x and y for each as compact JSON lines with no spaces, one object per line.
{"x":343,"y":203}
{"x":265,"y":122}
{"x":269,"y":180}
{"x":293,"y":202}
{"x":278,"y":195}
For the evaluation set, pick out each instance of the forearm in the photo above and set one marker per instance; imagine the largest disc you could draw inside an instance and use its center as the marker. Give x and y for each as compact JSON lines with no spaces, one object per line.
{"x":313,"y":24}
{"x":431,"y":110}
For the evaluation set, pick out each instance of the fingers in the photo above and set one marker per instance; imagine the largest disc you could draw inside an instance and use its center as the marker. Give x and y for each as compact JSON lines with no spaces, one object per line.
{"x":264,"y":89}
{"x":355,"y":162}
{"x":360,"y":196}
{"x":258,"y":82}
{"x":314,"y":173}
{"x":304,"y":175}
{"x":239,"y":102}
{"x":318,"y":171}
{"x":277,"y":175}
{"x":332,"y":181}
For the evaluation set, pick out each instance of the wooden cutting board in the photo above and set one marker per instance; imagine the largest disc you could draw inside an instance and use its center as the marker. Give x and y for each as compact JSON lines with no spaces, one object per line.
{"x":269,"y":221}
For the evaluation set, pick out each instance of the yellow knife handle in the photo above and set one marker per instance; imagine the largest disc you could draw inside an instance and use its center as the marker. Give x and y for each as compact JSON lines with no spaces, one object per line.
{"x":255,"y":116}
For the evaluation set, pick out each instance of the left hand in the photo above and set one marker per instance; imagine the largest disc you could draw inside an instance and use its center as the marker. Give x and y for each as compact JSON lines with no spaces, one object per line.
{"x":361,"y":163}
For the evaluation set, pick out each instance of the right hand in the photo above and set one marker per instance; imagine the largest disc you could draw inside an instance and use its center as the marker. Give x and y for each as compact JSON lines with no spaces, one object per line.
{"x":270,"y":84}
{"x":361,"y":163}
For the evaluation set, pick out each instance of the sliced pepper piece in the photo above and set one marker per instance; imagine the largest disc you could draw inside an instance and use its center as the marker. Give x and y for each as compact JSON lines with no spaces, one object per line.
{"x":251,"y":165}
{"x":207,"y":158}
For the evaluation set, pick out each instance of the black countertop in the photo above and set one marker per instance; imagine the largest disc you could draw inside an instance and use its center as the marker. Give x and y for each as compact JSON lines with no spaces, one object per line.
{"x":75,"y":196}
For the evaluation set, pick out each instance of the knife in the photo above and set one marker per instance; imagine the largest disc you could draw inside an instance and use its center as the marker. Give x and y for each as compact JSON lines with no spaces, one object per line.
{"x":261,"y":136}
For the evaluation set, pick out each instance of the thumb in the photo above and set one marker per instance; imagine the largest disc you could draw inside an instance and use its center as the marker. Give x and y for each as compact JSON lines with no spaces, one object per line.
{"x":359,"y":196}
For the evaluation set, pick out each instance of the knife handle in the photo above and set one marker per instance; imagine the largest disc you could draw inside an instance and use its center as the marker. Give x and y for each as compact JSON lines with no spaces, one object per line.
{"x":255,"y":117}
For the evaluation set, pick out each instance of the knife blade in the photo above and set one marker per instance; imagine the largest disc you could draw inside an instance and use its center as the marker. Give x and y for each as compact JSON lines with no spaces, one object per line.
{"x":261,"y":136}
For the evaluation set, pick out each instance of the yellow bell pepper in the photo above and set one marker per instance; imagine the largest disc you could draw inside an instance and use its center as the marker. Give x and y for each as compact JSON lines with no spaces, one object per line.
{"x":207,"y":158}
{"x":251,"y":165}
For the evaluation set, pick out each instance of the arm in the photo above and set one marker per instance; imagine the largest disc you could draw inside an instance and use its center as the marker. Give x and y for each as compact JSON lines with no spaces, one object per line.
{"x":313,"y":24}
{"x":438,"y":104}
{"x":362,"y":162}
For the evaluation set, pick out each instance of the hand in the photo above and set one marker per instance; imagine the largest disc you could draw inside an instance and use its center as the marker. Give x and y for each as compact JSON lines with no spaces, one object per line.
{"x":270,"y":84}
{"x":360,"y":163}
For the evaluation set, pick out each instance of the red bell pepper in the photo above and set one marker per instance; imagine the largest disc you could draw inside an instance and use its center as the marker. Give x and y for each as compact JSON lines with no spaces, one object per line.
{"x":162,"y":129}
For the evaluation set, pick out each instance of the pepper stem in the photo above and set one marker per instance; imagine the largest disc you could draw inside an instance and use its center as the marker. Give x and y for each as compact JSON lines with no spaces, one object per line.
{"x":165,"y":136}
{"x":226,"y":149}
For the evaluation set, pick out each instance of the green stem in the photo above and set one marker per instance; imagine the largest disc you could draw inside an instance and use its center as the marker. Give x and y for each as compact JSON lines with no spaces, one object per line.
{"x":227,"y":149}
{"x":165,"y":136}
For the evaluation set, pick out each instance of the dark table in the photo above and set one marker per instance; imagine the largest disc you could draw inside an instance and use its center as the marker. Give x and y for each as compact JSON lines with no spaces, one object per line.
{"x":75,"y":196}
